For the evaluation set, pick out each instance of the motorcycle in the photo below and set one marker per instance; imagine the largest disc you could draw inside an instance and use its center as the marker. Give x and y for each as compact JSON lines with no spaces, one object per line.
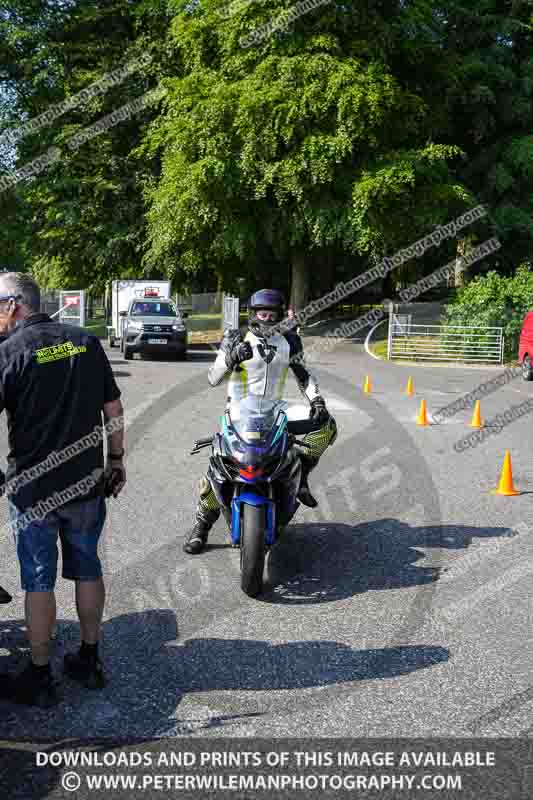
{"x":255,"y":473}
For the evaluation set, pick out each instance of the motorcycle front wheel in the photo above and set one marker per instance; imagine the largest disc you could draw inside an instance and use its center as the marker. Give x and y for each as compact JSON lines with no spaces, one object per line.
{"x":252,"y":549}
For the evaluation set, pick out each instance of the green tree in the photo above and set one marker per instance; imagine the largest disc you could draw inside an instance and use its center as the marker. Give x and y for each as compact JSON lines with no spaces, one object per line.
{"x":315,"y":139}
{"x":490,"y":100}
{"x":83,"y":220}
{"x":495,"y":300}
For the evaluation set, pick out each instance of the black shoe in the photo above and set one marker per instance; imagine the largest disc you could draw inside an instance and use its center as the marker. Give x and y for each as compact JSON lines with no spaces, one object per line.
{"x":88,"y":671}
{"x":196,"y":540}
{"x":6,"y":686}
{"x":30,"y":688}
{"x":5,"y":597}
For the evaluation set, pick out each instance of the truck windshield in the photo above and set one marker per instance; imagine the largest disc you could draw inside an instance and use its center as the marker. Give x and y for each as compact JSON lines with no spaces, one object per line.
{"x":154,"y":309}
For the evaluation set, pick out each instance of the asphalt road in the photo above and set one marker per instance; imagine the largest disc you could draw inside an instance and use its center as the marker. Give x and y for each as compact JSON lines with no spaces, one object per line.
{"x":401,"y":607}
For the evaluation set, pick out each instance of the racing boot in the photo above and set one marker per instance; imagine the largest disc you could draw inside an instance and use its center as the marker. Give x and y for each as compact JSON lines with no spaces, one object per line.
{"x":197,"y":537}
{"x":207,"y":513}
{"x":304,"y":493}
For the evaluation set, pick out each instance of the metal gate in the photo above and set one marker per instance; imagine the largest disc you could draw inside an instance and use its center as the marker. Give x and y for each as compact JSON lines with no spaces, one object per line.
{"x":72,"y":307}
{"x":230,"y":312}
{"x":461,"y":343}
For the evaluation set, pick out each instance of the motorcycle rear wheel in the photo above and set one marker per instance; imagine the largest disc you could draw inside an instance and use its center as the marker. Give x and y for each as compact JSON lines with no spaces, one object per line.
{"x":252,"y":549}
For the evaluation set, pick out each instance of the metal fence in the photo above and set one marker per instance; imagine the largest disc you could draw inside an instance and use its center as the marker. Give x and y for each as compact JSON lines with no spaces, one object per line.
{"x":230,"y":314}
{"x":429,"y":342}
{"x":53,"y":300}
{"x":202,"y":303}
{"x":50,"y":302}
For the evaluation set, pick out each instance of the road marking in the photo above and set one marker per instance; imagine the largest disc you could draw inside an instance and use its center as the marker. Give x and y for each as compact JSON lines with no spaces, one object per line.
{"x":367,"y":340}
{"x":131,"y":414}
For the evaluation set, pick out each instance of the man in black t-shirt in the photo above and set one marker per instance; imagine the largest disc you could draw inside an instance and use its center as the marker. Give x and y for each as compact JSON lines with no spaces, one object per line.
{"x":55,"y":384}
{"x":5,"y":597}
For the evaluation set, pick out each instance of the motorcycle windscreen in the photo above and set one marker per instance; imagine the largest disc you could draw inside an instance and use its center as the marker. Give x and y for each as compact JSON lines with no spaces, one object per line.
{"x":256,"y":420}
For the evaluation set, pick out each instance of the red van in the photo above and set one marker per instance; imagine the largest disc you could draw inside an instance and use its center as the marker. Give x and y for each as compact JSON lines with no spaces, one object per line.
{"x":525,"y":349}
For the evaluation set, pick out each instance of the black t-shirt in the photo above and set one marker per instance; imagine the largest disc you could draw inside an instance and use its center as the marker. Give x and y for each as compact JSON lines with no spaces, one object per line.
{"x":54,"y":381}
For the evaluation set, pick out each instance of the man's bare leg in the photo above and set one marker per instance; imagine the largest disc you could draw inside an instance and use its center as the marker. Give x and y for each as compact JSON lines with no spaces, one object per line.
{"x":90,"y":603}
{"x":40,"y":621}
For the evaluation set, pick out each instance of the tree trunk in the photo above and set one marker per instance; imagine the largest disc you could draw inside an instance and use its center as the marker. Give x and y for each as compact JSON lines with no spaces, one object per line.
{"x":460,"y":269}
{"x":388,"y":285}
{"x":300,"y":282}
{"x":108,"y":301}
{"x":324,"y":267}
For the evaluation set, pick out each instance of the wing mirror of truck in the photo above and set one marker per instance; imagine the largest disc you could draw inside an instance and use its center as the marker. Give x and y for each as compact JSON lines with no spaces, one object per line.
{"x":123,"y":313}
{"x":184,"y":314}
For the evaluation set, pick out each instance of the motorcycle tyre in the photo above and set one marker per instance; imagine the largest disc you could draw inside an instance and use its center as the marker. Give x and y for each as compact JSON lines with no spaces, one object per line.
{"x":252,"y":549}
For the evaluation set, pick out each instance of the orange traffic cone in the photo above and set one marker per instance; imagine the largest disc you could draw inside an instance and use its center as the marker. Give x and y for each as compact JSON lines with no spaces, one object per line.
{"x":477,"y":422}
{"x":367,"y":388}
{"x":422,"y":414}
{"x":410,"y":388}
{"x":506,"y":486}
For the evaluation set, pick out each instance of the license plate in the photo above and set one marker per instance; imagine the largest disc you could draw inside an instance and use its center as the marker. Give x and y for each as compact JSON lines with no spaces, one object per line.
{"x":157,"y":341}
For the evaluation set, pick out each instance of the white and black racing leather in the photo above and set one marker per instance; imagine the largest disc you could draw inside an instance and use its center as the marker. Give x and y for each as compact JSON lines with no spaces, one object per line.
{"x":265,"y":374}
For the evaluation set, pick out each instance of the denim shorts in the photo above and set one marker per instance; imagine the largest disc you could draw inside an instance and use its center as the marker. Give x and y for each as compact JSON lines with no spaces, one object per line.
{"x":78,"y":525}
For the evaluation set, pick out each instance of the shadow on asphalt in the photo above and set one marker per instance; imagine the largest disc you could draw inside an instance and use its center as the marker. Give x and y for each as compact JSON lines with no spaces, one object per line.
{"x":196,"y":354}
{"x":325,"y":562}
{"x":148,"y":677}
{"x":202,"y":353}
{"x":19,"y":777}
{"x":156,"y":656}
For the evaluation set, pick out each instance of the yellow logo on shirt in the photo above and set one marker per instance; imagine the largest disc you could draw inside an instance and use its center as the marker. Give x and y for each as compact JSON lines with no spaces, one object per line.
{"x":65,"y":350}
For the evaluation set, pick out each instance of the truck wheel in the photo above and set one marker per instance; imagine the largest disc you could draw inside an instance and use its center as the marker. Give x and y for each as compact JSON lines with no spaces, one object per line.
{"x":128,"y":355}
{"x":527,"y":369}
{"x":252,"y":549}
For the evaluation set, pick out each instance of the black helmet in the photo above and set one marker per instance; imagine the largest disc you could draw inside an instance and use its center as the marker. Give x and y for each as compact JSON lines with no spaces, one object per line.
{"x":265,"y":300}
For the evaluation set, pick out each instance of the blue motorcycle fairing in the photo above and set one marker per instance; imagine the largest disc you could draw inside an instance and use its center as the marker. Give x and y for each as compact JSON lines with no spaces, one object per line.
{"x":253,"y":500}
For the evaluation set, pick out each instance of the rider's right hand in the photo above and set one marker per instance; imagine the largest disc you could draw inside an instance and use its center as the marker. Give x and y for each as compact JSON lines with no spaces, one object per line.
{"x":244,"y":352}
{"x":239,"y":353}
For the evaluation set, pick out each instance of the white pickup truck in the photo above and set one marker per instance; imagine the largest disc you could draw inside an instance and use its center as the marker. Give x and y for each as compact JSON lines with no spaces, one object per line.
{"x":145,"y":319}
{"x":122,"y":293}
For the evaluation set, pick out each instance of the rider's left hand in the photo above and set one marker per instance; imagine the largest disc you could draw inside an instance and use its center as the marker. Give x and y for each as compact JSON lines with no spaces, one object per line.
{"x":319,"y":412}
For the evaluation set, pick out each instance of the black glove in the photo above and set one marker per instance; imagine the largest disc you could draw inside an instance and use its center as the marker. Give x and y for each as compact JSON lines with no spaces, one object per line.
{"x":239,"y":352}
{"x":319,"y":412}
{"x":115,"y":477}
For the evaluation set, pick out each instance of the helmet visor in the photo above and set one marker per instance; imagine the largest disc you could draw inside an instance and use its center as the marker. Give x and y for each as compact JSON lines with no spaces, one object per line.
{"x":267,"y":315}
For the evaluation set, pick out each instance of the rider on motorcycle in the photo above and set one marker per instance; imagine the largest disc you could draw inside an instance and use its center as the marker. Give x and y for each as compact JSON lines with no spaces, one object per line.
{"x":258,"y":363}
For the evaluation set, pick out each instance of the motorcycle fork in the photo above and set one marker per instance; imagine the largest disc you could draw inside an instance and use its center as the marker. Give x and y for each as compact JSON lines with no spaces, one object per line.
{"x":247,"y":495}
